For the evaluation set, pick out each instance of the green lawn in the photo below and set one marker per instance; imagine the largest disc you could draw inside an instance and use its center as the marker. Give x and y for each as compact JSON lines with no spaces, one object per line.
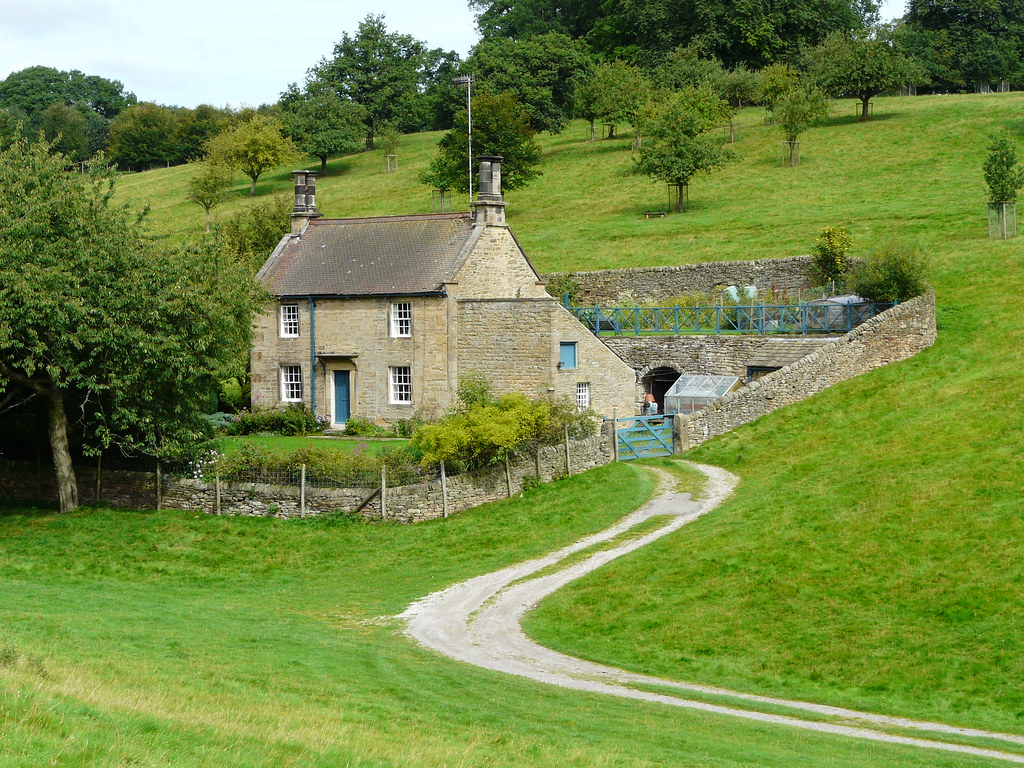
{"x":175,"y":639}
{"x":288,"y":444}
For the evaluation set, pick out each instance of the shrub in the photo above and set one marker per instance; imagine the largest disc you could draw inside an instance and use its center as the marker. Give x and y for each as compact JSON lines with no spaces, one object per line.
{"x":894,"y":271}
{"x":830,"y":261}
{"x":296,"y":419}
{"x":562,"y":286}
{"x":360,"y":427}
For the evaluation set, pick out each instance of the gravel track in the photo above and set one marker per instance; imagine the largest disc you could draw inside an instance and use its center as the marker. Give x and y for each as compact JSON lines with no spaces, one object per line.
{"x":479,"y":621}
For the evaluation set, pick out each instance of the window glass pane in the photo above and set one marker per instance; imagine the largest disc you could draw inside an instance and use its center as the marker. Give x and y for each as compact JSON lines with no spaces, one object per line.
{"x":289,"y":319}
{"x":401,"y":319}
{"x":291,"y":383}
{"x":567,"y":354}
{"x":401,"y":384}
{"x":583,"y":394}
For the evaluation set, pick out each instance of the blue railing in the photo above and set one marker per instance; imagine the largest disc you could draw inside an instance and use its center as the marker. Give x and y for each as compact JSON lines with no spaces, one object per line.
{"x":754,"y":318}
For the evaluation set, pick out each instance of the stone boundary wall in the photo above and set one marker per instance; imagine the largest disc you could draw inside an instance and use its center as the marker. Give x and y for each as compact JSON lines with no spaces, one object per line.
{"x":894,"y":335}
{"x":24,"y":482}
{"x":602,"y":287}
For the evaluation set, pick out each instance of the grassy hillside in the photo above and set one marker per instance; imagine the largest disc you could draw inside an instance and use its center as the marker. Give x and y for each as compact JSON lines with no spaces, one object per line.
{"x":873,"y":555}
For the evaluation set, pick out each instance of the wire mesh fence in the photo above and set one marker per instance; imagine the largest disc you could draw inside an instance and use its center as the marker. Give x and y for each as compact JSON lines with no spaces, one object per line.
{"x":311,"y":477}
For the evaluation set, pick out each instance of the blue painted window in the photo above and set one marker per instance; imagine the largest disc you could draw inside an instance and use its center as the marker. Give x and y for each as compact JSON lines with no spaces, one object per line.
{"x":567,"y":355}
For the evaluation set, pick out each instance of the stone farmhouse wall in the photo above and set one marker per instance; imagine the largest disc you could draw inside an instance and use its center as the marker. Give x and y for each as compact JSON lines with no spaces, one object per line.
{"x":702,"y":355}
{"x":22,"y":482}
{"x":603,"y":287}
{"x":894,"y":335}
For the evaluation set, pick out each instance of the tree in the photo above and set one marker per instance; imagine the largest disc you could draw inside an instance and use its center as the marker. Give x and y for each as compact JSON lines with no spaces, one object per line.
{"x":65,"y":128}
{"x":965,"y":43}
{"x":381,"y":71}
{"x":863,"y":65}
{"x":739,"y":86}
{"x":98,"y":320}
{"x":194,"y":128}
{"x":209,"y":186}
{"x":541,"y":73}
{"x":676,"y":144}
{"x":775,"y":81}
{"x":797,"y":111}
{"x":686,"y":67}
{"x":614,"y":92}
{"x":252,"y":147}
{"x":143,"y":136}
{"x":321,"y":123}
{"x":500,"y":127}
{"x":1003,"y":174}
{"x":33,"y":89}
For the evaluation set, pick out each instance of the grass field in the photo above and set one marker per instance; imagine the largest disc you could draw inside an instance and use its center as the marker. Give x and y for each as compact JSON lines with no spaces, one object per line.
{"x":287,"y":444}
{"x":872,"y":557}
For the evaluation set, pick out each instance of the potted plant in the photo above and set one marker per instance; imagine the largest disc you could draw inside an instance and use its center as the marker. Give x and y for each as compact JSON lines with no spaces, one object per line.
{"x":1004,"y":177}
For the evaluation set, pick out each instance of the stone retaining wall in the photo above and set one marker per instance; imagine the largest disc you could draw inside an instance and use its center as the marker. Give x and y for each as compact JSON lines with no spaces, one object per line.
{"x":894,"y":335}
{"x":603,"y":287}
{"x":23,"y":482}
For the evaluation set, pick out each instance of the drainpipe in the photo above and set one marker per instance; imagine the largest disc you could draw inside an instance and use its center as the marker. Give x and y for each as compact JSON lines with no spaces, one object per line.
{"x":312,"y":355}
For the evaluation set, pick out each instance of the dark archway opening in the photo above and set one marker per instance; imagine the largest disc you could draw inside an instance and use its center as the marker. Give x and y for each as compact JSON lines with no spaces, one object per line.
{"x":657,"y":382}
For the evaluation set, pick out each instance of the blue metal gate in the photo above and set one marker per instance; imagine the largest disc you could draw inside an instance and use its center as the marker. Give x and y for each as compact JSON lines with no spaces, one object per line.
{"x":642,"y":437}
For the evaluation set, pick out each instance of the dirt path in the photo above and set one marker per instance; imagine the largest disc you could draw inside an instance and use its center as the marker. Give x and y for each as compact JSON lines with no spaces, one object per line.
{"x":478,"y":621}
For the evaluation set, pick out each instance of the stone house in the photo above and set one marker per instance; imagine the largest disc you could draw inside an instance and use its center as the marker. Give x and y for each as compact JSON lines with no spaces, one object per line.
{"x":380,"y":317}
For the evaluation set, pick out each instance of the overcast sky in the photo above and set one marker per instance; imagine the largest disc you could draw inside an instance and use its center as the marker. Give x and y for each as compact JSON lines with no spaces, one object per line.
{"x":220,"y":52}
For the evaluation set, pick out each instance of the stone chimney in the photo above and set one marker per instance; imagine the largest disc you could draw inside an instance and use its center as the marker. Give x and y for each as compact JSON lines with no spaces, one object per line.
{"x":305,"y":201}
{"x":489,"y":207}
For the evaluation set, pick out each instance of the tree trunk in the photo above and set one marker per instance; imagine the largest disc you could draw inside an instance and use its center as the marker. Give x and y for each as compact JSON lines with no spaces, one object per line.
{"x":369,"y":140}
{"x":207,"y":221}
{"x":864,"y":101}
{"x":679,"y":205}
{"x":252,"y":187}
{"x":67,"y":485}
{"x":323,"y":165}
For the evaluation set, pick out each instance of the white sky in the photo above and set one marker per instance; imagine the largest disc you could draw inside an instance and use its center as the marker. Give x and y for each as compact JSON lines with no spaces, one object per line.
{"x":220,"y":52}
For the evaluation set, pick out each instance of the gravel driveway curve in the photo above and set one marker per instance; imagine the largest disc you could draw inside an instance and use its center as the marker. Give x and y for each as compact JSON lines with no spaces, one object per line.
{"x":478,"y":621}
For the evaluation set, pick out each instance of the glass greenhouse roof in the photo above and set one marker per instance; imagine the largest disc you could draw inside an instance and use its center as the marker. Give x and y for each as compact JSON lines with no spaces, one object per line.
{"x":710,"y":387}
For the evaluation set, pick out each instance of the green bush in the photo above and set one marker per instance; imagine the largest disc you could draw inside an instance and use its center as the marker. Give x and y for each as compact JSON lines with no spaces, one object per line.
{"x":356,"y":426}
{"x":830,"y":262}
{"x":1003,"y":173}
{"x":296,"y":419}
{"x":252,"y":463}
{"x":564,"y":285}
{"x":894,"y":271}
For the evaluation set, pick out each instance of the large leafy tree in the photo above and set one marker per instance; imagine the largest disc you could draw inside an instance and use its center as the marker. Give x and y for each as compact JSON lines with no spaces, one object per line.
{"x":863,"y":65}
{"x":321,"y":123}
{"x":143,"y":136}
{"x":614,"y":92}
{"x":256,"y":144}
{"x":33,"y":89}
{"x":542,"y":74}
{"x":119,"y":337}
{"x":380,"y":70}
{"x":966,"y":43}
{"x":500,"y":127}
{"x":677,"y":143}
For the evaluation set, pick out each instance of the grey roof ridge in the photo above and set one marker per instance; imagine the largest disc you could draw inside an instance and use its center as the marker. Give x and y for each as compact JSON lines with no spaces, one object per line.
{"x":467,"y":248}
{"x":393,"y":217}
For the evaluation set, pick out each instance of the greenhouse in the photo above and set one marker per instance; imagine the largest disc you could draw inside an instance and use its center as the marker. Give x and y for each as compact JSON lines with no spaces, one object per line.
{"x":691,"y":393}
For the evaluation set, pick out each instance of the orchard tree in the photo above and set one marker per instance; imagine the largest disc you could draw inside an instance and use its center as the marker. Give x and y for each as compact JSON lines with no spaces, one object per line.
{"x":687,"y":66}
{"x":863,"y":65}
{"x":209,"y":186}
{"x":541,"y":73}
{"x":500,"y":127}
{"x":797,"y":111}
{"x":614,"y":92}
{"x":321,"y":123}
{"x":253,"y":146}
{"x":101,"y":323}
{"x":677,"y":144}
{"x":381,"y":71}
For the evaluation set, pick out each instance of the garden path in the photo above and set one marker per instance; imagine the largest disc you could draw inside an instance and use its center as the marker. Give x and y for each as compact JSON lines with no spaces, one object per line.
{"x":478,"y":621}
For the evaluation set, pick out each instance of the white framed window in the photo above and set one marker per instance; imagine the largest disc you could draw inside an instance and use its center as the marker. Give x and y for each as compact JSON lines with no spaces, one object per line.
{"x":582,"y":394}
{"x":401,"y":319}
{"x":289,"y":321}
{"x":400,"y":377}
{"x":291,"y":383}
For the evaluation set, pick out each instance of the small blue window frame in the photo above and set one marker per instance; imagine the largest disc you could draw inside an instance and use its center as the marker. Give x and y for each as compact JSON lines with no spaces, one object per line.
{"x":567,"y":355}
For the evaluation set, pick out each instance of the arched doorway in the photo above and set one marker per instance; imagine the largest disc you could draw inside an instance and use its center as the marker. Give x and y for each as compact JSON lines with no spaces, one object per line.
{"x":657,"y":382}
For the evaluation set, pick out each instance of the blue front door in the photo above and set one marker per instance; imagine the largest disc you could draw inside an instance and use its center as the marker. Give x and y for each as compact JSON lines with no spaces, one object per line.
{"x":341,"y":397}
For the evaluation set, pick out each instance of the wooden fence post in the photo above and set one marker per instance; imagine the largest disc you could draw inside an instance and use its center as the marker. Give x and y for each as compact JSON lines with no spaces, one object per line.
{"x":302,"y":491}
{"x":444,"y":492}
{"x":99,"y":473}
{"x":159,"y":486}
{"x":508,"y":478}
{"x":216,"y":480}
{"x":383,"y":491}
{"x":568,"y":465}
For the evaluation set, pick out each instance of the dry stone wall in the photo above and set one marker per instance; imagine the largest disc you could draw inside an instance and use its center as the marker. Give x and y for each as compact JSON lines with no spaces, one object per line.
{"x":22,"y":482}
{"x":603,"y":287}
{"x":894,"y":335}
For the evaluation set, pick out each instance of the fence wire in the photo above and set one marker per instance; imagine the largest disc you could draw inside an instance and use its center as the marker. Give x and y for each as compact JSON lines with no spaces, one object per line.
{"x":292,"y":476}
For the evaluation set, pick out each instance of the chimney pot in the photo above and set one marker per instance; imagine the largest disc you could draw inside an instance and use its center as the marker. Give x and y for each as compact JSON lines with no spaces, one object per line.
{"x":305,"y":208}
{"x":489,"y":207}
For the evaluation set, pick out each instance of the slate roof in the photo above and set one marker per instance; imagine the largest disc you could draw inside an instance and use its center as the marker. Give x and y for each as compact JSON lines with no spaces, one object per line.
{"x":387,"y":255}
{"x":777,"y":353}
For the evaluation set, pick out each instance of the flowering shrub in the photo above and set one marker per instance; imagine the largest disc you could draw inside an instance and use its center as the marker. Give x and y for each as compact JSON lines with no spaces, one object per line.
{"x":830,"y":260}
